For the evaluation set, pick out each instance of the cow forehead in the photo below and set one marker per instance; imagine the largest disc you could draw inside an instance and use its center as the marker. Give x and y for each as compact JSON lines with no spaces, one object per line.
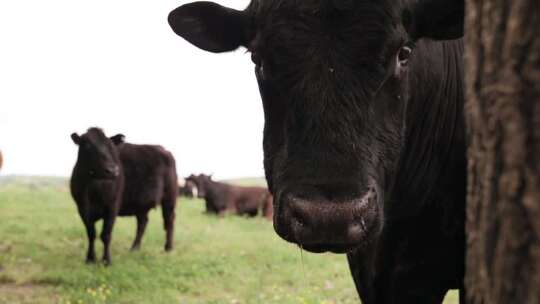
{"x":95,"y":136}
{"x":99,"y":140}
{"x":331,"y":9}
{"x":364,"y":32}
{"x":324,"y":60}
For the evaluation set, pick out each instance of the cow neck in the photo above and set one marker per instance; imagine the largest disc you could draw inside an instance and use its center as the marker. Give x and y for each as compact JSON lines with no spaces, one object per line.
{"x":432,"y":166}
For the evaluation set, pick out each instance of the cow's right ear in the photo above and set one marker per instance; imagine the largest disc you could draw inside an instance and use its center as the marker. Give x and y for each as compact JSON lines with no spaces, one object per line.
{"x":118,"y":139}
{"x":76,"y":138}
{"x":210,"y":26}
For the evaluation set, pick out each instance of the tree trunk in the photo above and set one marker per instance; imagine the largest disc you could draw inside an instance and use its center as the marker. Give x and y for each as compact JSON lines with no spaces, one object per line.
{"x":503,"y":119}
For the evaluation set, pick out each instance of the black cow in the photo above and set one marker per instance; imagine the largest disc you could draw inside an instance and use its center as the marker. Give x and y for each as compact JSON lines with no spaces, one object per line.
{"x":364,"y":134}
{"x":114,"y":178}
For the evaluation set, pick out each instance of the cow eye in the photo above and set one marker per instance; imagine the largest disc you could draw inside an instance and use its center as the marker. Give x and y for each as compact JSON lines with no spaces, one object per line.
{"x":404,"y":54}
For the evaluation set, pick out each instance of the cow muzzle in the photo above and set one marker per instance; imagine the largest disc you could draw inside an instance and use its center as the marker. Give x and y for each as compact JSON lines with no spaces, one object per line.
{"x":320,"y":222}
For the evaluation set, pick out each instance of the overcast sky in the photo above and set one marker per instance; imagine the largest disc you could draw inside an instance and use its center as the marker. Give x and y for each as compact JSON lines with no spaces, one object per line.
{"x":66,"y":65}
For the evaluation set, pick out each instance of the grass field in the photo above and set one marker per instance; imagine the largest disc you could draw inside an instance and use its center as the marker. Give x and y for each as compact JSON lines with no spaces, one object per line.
{"x":216,"y":260}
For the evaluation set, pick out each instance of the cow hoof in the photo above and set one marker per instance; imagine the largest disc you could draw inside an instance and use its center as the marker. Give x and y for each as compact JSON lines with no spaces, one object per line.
{"x":90,"y":261}
{"x":107,"y":263}
{"x":135,"y":248}
{"x":168,"y":248}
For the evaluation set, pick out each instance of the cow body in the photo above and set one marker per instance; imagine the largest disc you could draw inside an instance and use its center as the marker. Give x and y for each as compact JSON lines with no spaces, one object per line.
{"x":111,"y":180}
{"x":364,"y":137}
{"x":221,"y":198}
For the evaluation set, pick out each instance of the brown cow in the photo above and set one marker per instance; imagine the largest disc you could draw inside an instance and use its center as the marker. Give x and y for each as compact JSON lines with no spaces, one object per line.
{"x":221,"y":198}
{"x":114,"y":178}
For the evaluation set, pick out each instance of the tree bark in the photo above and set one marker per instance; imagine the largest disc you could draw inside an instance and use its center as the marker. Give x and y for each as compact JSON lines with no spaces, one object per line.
{"x":503,"y":118}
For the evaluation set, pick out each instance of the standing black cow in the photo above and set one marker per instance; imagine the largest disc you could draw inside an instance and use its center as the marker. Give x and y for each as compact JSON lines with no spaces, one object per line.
{"x":364,"y":134}
{"x":114,"y":178}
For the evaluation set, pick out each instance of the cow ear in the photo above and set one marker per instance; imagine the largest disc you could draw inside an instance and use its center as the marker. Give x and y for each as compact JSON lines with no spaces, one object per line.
{"x":76,"y":138}
{"x":210,"y":26}
{"x":436,"y":19}
{"x":118,"y":139}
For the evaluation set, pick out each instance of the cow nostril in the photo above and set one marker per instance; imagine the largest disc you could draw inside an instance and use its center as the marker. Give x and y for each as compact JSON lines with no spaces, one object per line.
{"x":299,"y":219}
{"x":300,"y":222}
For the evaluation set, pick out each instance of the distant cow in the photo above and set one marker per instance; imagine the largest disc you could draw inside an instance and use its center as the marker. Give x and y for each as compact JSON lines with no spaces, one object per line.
{"x":114,"y":178}
{"x":188,"y":189}
{"x":1,"y":160}
{"x":221,"y":198}
{"x":364,"y":137}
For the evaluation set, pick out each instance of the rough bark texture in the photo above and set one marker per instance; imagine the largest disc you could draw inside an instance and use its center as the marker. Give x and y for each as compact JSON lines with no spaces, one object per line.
{"x":503,"y":117}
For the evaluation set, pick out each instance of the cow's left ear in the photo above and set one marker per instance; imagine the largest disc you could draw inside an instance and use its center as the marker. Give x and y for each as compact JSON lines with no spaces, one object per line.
{"x":210,"y":26}
{"x":118,"y":139}
{"x":436,"y":19}
{"x":76,"y":138}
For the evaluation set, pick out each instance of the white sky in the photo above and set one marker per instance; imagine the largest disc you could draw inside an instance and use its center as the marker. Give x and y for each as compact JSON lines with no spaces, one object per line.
{"x":66,"y":65}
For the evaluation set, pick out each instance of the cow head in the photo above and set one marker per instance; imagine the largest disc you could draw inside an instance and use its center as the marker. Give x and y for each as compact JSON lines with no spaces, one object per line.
{"x":188,"y":188}
{"x":191,"y":188}
{"x":334,"y":79}
{"x":200,"y":183}
{"x":98,"y":154}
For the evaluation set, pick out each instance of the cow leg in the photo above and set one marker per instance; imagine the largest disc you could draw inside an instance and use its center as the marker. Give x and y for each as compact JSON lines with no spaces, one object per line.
{"x":167,"y":208}
{"x":142,"y":220}
{"x":91,"y":233}
{"x":106,"y":234}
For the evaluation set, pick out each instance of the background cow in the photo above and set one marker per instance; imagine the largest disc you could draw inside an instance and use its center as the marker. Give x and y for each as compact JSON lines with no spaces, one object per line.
{"x":114,"y":178}
{"x":223,"y":198}
{"x":187,"y":189}
{"x":364,"y":135}
{"x":1,"y":160}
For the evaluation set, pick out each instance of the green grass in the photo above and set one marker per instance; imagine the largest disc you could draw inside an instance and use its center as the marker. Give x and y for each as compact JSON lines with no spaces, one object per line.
{"x":216,"y":260}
